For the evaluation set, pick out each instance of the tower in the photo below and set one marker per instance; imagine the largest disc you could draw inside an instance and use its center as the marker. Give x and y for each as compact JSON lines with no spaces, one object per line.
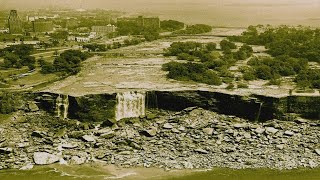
{"x":15,"y":24}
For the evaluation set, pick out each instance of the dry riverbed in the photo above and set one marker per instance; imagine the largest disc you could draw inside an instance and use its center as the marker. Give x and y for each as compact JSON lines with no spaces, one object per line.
{"x":191,"y":139}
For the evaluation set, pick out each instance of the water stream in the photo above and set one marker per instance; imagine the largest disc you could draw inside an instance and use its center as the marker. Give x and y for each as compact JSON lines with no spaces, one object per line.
{"x":62,"y":106}
{"x":130,"y":104}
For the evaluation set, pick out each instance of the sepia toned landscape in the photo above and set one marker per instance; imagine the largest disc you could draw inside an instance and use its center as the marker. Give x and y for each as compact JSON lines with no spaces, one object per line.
{"x":159,"y":89}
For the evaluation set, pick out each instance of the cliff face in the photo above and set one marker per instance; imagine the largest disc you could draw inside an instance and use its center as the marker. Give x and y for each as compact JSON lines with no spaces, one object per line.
{"x":255,"y":107}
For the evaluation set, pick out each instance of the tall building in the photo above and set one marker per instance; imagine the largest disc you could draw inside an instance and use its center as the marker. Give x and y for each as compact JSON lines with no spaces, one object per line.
{"x":42,"y":25}
{"x":150,"y":22}
{"x":100,"y":30}
{"x":15,"y":23}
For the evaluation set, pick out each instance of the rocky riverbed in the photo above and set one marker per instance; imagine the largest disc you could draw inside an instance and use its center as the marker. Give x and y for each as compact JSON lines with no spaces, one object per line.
{"x":191,"y":139}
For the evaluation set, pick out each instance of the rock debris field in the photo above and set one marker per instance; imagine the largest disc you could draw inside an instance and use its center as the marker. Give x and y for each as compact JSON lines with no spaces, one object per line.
{"x":191,"y":139}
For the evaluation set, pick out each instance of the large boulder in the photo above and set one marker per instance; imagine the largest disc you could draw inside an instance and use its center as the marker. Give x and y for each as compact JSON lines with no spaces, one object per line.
{"x":39,"y":134}
{"x":108,"y":123}
{"x":208,"y":131}
{"x":6,"y":150}
{"x":150,"y":132}
{"x":43,"y":158}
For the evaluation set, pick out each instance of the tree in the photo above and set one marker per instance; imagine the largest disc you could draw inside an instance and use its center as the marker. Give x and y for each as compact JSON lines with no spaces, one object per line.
{"x":211,"y":46}
{"x":171,"y":25}
{"x":227,"y":45}
{"x":10,"y":60}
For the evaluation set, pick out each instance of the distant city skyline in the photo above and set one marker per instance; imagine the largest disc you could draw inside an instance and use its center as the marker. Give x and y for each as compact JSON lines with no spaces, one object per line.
{"x":143,"y":4}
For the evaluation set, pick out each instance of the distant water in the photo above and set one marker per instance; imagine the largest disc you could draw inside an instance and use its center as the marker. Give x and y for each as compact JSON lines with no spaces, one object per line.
{"x":242,"y":13}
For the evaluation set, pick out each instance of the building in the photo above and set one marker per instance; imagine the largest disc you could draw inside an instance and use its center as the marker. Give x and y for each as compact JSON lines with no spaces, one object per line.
{"x":82,"y":39}
{"x":42,"y":25}
{"x":150,"y":22}
{"x":102,"y":30}
{"x":15,"y":23}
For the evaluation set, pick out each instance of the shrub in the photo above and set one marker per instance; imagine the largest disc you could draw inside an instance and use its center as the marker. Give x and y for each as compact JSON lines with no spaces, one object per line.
{"x":242,"y":85}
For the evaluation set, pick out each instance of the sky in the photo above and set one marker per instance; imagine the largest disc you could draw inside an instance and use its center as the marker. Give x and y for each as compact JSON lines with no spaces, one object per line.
{"x":215,"y":12}
{"x":146,"y":4}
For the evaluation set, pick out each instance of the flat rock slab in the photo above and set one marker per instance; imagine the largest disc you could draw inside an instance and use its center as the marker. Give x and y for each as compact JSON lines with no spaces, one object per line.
{"x":271,"y":130}
{"x":201,"y":151}
{"x":167,"y":126}
{"x":69,"y":145}
{"x":289,"y":133}
{"x":89,"y":138}
{"x":43,"y":158}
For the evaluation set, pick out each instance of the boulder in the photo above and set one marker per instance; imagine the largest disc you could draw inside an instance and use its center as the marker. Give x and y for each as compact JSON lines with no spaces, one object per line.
{"x":317,"y":151}
{"x":108,"y":135}
{"x":271,"y":130}
{"x":38,"y":134}
{"x":69,"y":145}
{"x":238,"y":125}
{"x":43,"y":158}
{"x":26,"y":167}
{"x":6,"y":150}
{"x":280,"y":146}
{"x":167,"y":126}
{"x":76,"y":160}
{"x":259,"y":130}
{"x":208,"y":131}
{"x":247,"y":135}
{"x":150,"y":132}
{"x":23,"y":145}
{"x":108,"y":123}
{"x":182,"y":128}
{"x":201,"y":151}
{"x":289,"y":133}
{"x":89,"y":138}
{"x":32,"y":107}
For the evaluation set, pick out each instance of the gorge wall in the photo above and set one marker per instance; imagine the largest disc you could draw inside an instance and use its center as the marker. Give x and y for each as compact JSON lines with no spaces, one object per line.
{"x":100,"y":107}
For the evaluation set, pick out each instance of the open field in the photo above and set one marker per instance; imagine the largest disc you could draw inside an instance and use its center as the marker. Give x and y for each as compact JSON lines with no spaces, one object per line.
{"x":139,"y":68}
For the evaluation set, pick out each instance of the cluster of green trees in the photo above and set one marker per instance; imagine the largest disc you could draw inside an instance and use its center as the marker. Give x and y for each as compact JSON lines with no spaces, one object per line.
{"x":195,"y":29}
{"x":269,"y":68}
{"x":18,"y":56}
{"x":171,"y":25}
{"x":191,"y":71}
{"x":95,"y":47}
{"x":297,"y":42}
{"x":209,"y":57}
{"x":191,"y":51}
{"x":68,"y":63}
{"x":308,"y":78}
{"x":133,"y":41}
{"x":9,"y":102}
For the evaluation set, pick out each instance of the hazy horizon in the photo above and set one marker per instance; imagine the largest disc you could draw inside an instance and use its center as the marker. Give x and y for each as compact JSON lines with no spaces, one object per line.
{"x":214,"y":12}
